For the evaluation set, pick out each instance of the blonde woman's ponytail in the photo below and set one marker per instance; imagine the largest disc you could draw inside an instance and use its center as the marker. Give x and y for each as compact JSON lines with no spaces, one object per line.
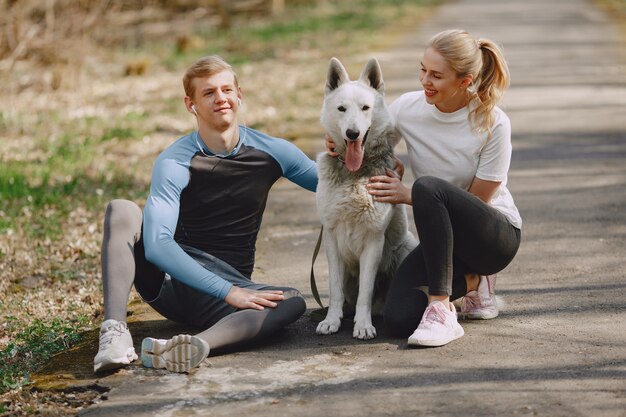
{"x":493,"y":79}
{"x":482,"y":59}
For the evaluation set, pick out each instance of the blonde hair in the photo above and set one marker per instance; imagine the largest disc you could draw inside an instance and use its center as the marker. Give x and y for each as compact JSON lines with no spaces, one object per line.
{"x":484,"y":60}
{"x":205,"y":67}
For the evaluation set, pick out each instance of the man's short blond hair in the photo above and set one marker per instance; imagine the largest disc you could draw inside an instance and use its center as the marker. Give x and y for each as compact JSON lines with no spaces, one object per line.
{"x":205,"y":67}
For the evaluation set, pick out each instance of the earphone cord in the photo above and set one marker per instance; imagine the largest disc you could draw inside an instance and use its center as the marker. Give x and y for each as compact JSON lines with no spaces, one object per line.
{"x":241,"y":139}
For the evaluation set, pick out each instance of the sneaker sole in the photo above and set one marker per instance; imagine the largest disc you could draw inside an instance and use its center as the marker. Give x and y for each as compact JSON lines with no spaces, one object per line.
{"x":480,"y":316}
{"x":178,"y":354}
{"x":435,"y":343}
{"x":114,"y":363}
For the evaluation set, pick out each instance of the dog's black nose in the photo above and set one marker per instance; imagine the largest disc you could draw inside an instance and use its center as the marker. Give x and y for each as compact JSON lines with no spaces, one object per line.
{"x":352,"y":134}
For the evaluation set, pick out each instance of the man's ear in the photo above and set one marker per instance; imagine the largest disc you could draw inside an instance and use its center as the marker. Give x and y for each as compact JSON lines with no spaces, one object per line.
{"x":189,"y":104}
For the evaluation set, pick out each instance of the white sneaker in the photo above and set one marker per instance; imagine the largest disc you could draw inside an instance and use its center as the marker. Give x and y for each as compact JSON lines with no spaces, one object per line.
{"x":178,"y":354}
{"x":481,"y":304}
{"x":115,"y":348}
{"x":439,"y":326}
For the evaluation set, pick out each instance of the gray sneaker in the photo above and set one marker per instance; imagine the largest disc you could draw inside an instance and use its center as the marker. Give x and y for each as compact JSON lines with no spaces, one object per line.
{"x":115,"y":348}
{"x":178,"y":354}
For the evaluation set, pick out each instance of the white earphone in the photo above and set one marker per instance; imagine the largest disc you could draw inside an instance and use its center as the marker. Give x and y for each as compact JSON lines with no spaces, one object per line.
{"x":193,"y":107}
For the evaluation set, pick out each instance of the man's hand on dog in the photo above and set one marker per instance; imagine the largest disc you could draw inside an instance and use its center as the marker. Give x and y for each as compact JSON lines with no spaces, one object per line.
{"x":330,"y":146}
{"x":243,"y":298}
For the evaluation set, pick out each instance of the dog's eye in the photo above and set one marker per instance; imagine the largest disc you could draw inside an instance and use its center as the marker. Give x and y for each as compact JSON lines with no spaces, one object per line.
{"x":365,"y":108}
{"x":341,"y":109}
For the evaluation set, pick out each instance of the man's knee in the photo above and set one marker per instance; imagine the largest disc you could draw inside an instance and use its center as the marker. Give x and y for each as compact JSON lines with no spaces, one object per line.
{"x":292,"y":293}
{"x":123,"y":214}
{"x":296,"y":301}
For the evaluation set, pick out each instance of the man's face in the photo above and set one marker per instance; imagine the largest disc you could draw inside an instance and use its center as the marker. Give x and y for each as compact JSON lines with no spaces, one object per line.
{"x":216,"y":100}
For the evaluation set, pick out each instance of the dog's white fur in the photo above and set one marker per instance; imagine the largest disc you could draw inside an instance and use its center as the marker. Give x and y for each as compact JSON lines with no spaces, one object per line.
{"x":364,"y":240}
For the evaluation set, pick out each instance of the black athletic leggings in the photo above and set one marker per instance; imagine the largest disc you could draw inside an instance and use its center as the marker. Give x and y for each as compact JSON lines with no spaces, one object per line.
{"x":459,"y":234}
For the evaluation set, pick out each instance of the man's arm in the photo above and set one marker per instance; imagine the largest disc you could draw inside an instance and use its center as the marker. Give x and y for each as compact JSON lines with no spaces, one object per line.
{"x":160,"y":218}
{"x":296,"y":166}
{"x":169,"y":178}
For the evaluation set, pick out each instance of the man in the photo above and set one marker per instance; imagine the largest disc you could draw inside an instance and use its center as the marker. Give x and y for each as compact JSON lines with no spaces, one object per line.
{"x":191,"y":254}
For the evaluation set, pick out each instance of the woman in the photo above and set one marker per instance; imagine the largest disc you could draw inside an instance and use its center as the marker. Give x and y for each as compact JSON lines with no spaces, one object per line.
{"x":459,"y":146}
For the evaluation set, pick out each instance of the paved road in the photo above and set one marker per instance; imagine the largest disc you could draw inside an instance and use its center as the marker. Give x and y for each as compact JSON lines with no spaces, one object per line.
{"x":559,"y":346}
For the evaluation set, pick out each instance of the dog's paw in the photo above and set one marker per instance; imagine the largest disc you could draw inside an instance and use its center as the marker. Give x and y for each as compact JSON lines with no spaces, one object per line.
{"x":365,"y":332}
{"x":328,"y":326}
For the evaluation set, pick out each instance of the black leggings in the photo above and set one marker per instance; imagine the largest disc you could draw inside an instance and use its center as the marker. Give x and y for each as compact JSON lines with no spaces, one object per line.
{"x":459,"y":234}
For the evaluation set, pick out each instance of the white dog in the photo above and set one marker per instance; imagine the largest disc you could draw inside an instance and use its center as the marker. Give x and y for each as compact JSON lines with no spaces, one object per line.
{"x":365,"y":241}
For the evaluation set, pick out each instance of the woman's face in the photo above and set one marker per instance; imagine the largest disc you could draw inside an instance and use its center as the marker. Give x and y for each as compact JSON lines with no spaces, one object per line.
{"x":442,"y":87}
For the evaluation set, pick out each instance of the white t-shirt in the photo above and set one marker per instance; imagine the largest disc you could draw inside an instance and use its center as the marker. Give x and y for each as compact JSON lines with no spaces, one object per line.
{"x":444,"y":145}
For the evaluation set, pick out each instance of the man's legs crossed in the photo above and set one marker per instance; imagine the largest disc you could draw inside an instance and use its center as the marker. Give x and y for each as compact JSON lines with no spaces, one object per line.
{"x":122,"y":228}
{"x":226,"y":327}
{"x":246,"y":326}
{"x":184,"y":352}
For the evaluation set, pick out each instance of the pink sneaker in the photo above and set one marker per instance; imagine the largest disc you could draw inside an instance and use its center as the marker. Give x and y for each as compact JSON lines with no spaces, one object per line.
{"x":439,"y":326}
{"x":481,"y":304}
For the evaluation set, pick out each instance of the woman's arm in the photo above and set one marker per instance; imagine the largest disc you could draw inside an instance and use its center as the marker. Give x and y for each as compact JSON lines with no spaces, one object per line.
{"x":389,"y":189}
{"x":485,"y":190}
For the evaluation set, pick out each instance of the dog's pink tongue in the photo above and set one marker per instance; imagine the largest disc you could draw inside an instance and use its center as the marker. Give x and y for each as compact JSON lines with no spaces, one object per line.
{"x":354,"y":155}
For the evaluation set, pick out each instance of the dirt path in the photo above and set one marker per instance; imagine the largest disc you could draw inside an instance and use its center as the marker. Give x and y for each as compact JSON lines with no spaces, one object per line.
{"x":558,"y":347}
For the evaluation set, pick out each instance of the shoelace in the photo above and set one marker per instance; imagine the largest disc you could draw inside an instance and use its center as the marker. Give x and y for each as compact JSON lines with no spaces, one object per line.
{"x":111,"y":332}
{"x":470,"y":302}
{"x":433,"y":314}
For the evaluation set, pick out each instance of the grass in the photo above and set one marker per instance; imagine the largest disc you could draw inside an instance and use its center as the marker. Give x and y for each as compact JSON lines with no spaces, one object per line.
{"x":44,"y":190}
{"x":67,"y":152}
{"x":342,"y":26}
{"x":34,"y":345}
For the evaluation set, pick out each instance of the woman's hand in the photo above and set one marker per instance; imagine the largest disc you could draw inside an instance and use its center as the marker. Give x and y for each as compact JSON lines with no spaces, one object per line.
{"x":330,"y":146}
{"x":243,"y":298}
{"x":389,"y":189}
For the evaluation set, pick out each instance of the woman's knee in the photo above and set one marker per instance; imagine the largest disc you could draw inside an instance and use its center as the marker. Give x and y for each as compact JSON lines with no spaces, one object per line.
{"x":425,"y":186}
{"x":123,"y":214}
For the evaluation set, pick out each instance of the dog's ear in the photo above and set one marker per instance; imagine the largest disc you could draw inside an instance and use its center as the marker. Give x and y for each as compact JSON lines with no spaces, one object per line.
{"x":336,"y":76}
{"x":372,"y":76}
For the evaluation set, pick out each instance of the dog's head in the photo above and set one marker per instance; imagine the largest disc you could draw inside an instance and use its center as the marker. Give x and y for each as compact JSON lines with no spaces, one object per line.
{"x":351,"y":107}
